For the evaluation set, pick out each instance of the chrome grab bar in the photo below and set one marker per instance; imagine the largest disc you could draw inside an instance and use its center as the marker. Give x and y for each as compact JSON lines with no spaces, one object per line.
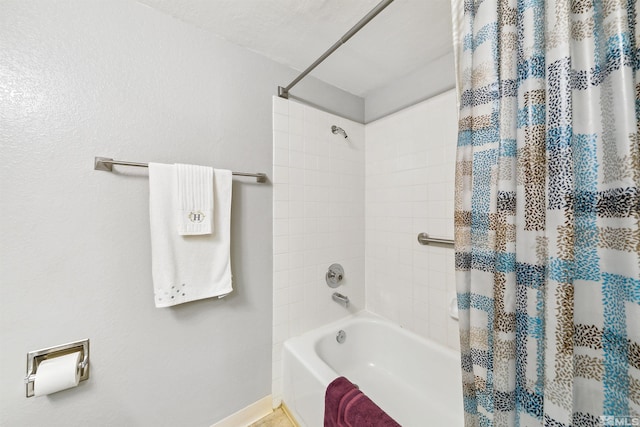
{"x":424,"y":239}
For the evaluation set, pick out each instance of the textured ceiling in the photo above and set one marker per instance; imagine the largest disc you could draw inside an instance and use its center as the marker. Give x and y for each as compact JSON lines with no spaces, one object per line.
{"x":406,"y":36}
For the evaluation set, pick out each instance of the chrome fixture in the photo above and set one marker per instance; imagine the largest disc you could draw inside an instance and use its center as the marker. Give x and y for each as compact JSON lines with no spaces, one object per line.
{"x":106,"y":164}
{"x":341,"y":299}
{"x":338,"y":130}
{"x":341,"y":336}
{"x":424,"y":239}
{"x":334,"y":275}
{"x":283,"y":92}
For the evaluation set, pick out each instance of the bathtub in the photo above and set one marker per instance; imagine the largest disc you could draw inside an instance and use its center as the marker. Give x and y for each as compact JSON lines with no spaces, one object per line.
{"x":416,"y":381}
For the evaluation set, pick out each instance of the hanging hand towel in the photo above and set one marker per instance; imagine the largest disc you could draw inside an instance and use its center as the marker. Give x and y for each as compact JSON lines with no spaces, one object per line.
{"x":195,"y":199}
{"x":187,"y":268}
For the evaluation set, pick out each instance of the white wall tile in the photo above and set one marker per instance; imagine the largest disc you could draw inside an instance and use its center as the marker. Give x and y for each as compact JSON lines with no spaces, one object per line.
{"x":296,"y":259}
{"x":319,"y":210}
{"x":296,"y":226}
{"x":280,"y":122}
{"x":280,"y":227}
{"x":280,"y":157}
{"x":280,"y":244}
{"x":296,"y":142}
{"x":280,"y":209}
{"x":280,"y":175}
{"x":280,"y":297}
{"x":409,"y":189}
{"x":281,"y":139}
{"x":280,"y":262}
{"x":296,"y":110}
{"x":334,"y":201}
{"x":296,"y":159}
{"x":280,"y":279}
{"x":280,"y":192}
{"x":280,"y":106}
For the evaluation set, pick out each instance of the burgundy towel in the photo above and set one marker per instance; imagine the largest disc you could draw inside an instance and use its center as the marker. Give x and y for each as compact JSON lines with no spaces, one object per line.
{"x":346,"y":406}
{"x":334,"y":394}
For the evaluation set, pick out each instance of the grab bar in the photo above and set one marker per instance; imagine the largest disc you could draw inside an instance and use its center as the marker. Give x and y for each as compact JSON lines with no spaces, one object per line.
{"x":424,"y":239}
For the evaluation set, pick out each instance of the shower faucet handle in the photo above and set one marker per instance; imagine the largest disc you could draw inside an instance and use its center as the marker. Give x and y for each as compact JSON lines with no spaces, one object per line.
{"x":334,"y":275}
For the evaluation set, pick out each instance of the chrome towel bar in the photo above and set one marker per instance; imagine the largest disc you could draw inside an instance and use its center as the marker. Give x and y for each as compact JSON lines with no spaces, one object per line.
{"x":106,"y":164}
{"x":424,"y":239}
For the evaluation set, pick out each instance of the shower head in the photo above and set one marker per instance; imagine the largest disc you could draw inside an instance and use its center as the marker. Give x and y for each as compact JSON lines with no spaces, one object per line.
{"x":338,"y":130}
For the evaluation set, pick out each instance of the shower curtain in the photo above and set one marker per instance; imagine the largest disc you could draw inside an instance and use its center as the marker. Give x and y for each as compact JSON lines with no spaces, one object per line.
{"x":548,"y":211}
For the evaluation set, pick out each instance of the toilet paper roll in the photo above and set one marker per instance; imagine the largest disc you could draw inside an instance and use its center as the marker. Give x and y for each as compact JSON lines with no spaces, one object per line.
{"x":56,"y":374}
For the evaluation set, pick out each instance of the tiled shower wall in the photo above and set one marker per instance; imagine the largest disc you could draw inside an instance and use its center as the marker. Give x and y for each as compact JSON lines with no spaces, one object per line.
{"x":332,"y":203}
{"x":410,"y":170}
{"x":318,"y":212}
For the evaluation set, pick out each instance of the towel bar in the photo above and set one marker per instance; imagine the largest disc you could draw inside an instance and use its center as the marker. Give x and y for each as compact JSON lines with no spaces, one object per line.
{"x":106,"y":164}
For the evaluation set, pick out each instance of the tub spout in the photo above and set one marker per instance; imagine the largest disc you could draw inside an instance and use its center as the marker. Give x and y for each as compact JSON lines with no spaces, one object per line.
{"x":339,"y":298}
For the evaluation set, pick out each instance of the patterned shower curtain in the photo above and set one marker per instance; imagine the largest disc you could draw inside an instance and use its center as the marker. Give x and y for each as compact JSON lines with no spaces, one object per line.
{"x":548,"y":211}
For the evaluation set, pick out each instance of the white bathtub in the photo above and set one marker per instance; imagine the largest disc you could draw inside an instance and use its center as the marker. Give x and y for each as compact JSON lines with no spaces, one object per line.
{"x":417,"y":382}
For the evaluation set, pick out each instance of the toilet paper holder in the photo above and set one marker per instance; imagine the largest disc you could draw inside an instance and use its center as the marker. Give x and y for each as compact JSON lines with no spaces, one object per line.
{"x":35,"y":357}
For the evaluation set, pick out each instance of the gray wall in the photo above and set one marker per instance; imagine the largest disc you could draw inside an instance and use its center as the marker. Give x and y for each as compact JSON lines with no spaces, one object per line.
{"x":417,"y":86}
{"x":115,"y":78}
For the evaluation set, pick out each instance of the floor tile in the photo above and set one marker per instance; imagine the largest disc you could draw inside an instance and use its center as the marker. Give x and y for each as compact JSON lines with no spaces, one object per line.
{"x":276,"y":419}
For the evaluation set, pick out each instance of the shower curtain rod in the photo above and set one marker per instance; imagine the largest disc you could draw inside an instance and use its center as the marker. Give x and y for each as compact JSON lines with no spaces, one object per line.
{"x":283,"y":92}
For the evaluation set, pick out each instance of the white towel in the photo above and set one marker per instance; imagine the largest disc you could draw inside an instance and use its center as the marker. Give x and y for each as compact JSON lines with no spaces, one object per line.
{"x":195,"y":199}
{"x":187,"y":268}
